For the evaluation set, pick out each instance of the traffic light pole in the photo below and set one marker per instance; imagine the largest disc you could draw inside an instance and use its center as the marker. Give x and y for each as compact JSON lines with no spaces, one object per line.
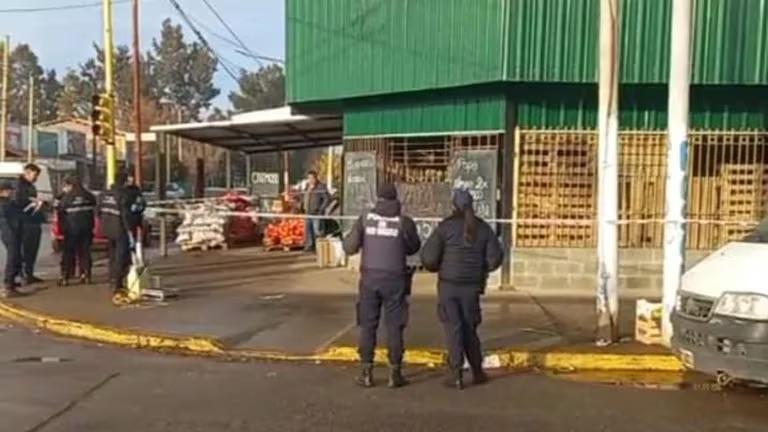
{"x":109,"y":90}
{"x":4,"y":120}
{"x":137,"y":126}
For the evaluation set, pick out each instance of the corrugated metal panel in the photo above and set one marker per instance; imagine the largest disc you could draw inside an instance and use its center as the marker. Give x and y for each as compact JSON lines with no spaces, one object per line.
{"x":730,"y":42}
{"x":427,"y":115}
{"x":345,"y":48}
{"x":641,"y":107}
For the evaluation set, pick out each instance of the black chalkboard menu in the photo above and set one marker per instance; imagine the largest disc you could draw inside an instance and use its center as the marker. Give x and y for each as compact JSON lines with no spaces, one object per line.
{"x":475,"y":170}
{"x":359,"y":183}
{"x":424,"y":200}
{"x":265,"y":184}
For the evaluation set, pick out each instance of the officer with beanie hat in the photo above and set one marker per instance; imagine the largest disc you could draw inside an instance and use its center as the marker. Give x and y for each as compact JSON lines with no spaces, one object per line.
{"x":385,"y":237}
{"x":462,"y":250}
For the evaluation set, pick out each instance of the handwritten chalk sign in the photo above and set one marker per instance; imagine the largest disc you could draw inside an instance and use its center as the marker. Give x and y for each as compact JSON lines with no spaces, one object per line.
{"x":429,"y":200}
{"x":359,"y":183}
{"x":265,"y":184}
{"x":475,"y":171}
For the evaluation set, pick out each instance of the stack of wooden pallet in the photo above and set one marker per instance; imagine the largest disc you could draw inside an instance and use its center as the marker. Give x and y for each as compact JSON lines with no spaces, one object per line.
{"x":742,"y":198}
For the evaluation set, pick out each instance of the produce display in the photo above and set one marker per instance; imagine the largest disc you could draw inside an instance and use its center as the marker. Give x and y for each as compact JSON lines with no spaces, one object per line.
{"x":240,"y":228}
{"x":286,"y":232}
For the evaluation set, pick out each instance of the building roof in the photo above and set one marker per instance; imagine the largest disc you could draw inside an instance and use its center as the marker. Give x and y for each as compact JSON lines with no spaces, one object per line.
{"x":262,"y":131}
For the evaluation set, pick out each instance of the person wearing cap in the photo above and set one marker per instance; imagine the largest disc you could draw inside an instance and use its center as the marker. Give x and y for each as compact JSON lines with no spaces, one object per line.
{"x":9,"y":232}
{"x":119,"y":222}
{"x":76,"y":208}
{"x":385,"y":237}
{"x":462,"y":250}
{"x":28,"y":206}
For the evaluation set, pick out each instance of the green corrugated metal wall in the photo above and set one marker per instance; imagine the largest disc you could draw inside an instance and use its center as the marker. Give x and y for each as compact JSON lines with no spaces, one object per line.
{"x":344,"y":48}
{"x":642,"y":107}
{"x":430,"y":114}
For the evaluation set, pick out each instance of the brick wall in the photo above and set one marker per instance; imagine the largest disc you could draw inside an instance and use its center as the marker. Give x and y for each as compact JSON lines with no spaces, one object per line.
{"x":555,"y":268}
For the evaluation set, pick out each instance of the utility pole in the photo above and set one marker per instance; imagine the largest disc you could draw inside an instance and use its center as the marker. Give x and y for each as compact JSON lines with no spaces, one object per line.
{"x":4,"y":104}
{"x":31,"y":120}
{"x":677,"y":160}
{"x":608,"y":176}
{"x":109,"y":89}
{"x":137,"y":126}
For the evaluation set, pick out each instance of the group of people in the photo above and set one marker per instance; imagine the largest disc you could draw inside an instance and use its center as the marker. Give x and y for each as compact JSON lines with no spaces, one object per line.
{"x":463,"y":250}
{"x":120,"y":209}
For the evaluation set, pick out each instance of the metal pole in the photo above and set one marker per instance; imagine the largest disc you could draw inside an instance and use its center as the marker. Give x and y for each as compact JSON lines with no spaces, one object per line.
{"x":109,"y":89}
{"x":4,"y":105}
{"x":329,"y":168}
{"x":228,"y":169}
{"x":31,"y":120}
{"x":137,"y":125}
{"x":608,"y":177}
{"x":677,"y":160}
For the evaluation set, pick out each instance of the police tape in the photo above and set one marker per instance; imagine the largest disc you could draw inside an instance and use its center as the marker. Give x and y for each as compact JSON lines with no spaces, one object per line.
{"x":152,"y":211}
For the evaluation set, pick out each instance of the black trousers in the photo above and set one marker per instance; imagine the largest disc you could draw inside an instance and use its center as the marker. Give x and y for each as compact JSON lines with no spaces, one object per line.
{"x":12,"y":242}
{"x":77,"y":251}
{"x":459,"y":310}
{"x":119,"y":261}
{"x":30,"y":246}
{"x":392,"y":298}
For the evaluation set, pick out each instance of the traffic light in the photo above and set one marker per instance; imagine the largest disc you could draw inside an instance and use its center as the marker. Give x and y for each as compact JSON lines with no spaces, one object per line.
{"x":102,"y":117}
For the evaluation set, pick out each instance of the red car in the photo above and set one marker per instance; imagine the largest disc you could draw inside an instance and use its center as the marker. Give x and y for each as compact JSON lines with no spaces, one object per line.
{"x":57,"y":237}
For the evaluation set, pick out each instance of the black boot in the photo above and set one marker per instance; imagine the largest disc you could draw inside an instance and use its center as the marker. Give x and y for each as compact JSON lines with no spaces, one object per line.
{"x":32,"y":280}
{"x":63,"y":282}
{"x":366,"y":376}
{"x":85,"y":279}
{"x":455,"y":380}
{"x":479,"y":376}
{"x":396,"y":378}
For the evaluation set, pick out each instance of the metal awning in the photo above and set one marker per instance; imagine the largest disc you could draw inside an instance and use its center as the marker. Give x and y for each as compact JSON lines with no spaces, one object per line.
{"x":262,"y":131}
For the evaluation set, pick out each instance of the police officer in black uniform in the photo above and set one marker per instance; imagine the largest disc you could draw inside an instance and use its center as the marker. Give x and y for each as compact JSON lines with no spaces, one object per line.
{"x":9,"y":232}
{"x":77,"y":208}
{"x":386,"y":238}
{"x":462,"y":250}
{"x":119,"y":221}
{"x":31,"y":219}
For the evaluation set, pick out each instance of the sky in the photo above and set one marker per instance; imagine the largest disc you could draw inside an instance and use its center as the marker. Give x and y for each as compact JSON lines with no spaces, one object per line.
{"x":63,"y":38}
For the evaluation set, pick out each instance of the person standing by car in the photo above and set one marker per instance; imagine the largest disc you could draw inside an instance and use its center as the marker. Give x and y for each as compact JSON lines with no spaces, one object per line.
{"x":31,"y":219}
{"x":77,"y":209}
{"x":120,"y":212}
{"x":462,"y":250}
{"x":316,"y":200}
{"x":386,"y":238}
{"x":10,"y":234}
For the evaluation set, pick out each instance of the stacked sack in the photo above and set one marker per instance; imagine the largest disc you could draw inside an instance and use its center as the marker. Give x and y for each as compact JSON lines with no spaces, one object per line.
{"x":204,"y":226}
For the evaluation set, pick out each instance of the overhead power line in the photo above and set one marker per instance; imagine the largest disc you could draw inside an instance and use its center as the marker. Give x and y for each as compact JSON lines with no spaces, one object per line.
{"x":232,"y":32}
{"x":60,"y":8}
{"x":238,"y":47}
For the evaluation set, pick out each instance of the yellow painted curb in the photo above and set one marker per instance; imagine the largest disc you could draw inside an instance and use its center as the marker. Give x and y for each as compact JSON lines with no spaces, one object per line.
{"x":206,"y":346}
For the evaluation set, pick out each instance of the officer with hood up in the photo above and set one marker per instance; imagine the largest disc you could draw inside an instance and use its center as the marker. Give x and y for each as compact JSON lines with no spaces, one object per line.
{"x":463,"y":250}
{"x":385,"y":237}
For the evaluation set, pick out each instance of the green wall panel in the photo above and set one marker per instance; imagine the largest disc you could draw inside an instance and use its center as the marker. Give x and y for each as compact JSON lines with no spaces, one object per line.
{"x":426,"y":115}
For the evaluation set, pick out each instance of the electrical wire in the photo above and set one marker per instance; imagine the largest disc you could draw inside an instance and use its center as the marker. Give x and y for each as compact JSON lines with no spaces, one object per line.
{"x":232,"y":32}
{"x":60,"y":8}
{"x":238,"y":48}
{"x":203,"y":41}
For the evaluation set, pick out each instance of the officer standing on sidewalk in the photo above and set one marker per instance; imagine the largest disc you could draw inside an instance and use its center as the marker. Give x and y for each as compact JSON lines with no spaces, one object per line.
{"x":9,"y":232}
{"x":31,"y":219}
{"x":77,"y":208}
{"x":386,"y":238}
{"x":118,"y":226}
{"x":463,"y":250}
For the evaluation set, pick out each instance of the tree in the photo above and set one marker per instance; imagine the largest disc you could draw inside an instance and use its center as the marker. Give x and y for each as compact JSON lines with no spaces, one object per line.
{"x":25,"y":64}
{"x":74,"y":96}
{"x":183,"y":72}
{"x":262,"y":89}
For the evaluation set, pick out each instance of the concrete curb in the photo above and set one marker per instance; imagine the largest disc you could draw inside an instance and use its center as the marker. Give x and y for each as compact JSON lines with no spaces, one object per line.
{"x":210,"y":347}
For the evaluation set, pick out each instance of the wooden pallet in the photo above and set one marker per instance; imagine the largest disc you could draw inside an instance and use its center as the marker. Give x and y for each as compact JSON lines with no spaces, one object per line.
{"x":204,"y":247}
{"x":282,"y":248}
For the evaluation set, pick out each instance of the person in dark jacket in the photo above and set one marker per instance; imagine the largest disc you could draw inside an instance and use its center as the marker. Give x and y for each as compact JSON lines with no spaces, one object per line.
{"x":9,"y":232}
{"x":462,"y":250}
{"x":28,"y":206}
{"x":119,"y":224}
{"x":316,"y":200}
{"x":77,"y":209}
{"x":386,"y":238}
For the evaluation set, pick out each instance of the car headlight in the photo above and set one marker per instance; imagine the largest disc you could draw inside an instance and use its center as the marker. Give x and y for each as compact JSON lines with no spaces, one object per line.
{"x":747,"y":306}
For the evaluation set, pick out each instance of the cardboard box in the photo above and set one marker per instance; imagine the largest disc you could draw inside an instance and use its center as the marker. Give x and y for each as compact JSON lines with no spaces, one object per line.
{"x":648,"y":322}
{"x":329,"y":252}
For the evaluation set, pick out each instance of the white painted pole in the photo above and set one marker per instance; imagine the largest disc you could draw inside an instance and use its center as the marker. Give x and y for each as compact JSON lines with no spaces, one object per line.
{"x":608,"y":176}
{"x":677,"y":160}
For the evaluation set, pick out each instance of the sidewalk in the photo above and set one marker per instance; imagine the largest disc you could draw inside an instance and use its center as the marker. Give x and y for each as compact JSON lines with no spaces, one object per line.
{"x":245,"y":300}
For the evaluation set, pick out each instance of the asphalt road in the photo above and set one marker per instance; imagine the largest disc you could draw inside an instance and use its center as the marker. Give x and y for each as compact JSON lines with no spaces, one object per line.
{"x":103,"y":389}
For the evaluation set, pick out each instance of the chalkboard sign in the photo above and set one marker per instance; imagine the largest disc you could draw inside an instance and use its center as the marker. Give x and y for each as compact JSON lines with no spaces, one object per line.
{"x":359,"y":183}
{"x":265,"y":184}
{"x":424,"y":200}
{"x":475,"y":170}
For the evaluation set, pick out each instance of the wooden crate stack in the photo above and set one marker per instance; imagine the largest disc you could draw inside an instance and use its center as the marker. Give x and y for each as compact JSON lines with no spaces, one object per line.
{"x":704,"y":204}
{"x":742,"y":197}
{"x":557,"y":181}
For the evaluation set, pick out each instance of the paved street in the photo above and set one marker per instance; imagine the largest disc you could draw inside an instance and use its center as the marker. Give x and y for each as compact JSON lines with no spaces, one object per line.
{"x":99,"y":389}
